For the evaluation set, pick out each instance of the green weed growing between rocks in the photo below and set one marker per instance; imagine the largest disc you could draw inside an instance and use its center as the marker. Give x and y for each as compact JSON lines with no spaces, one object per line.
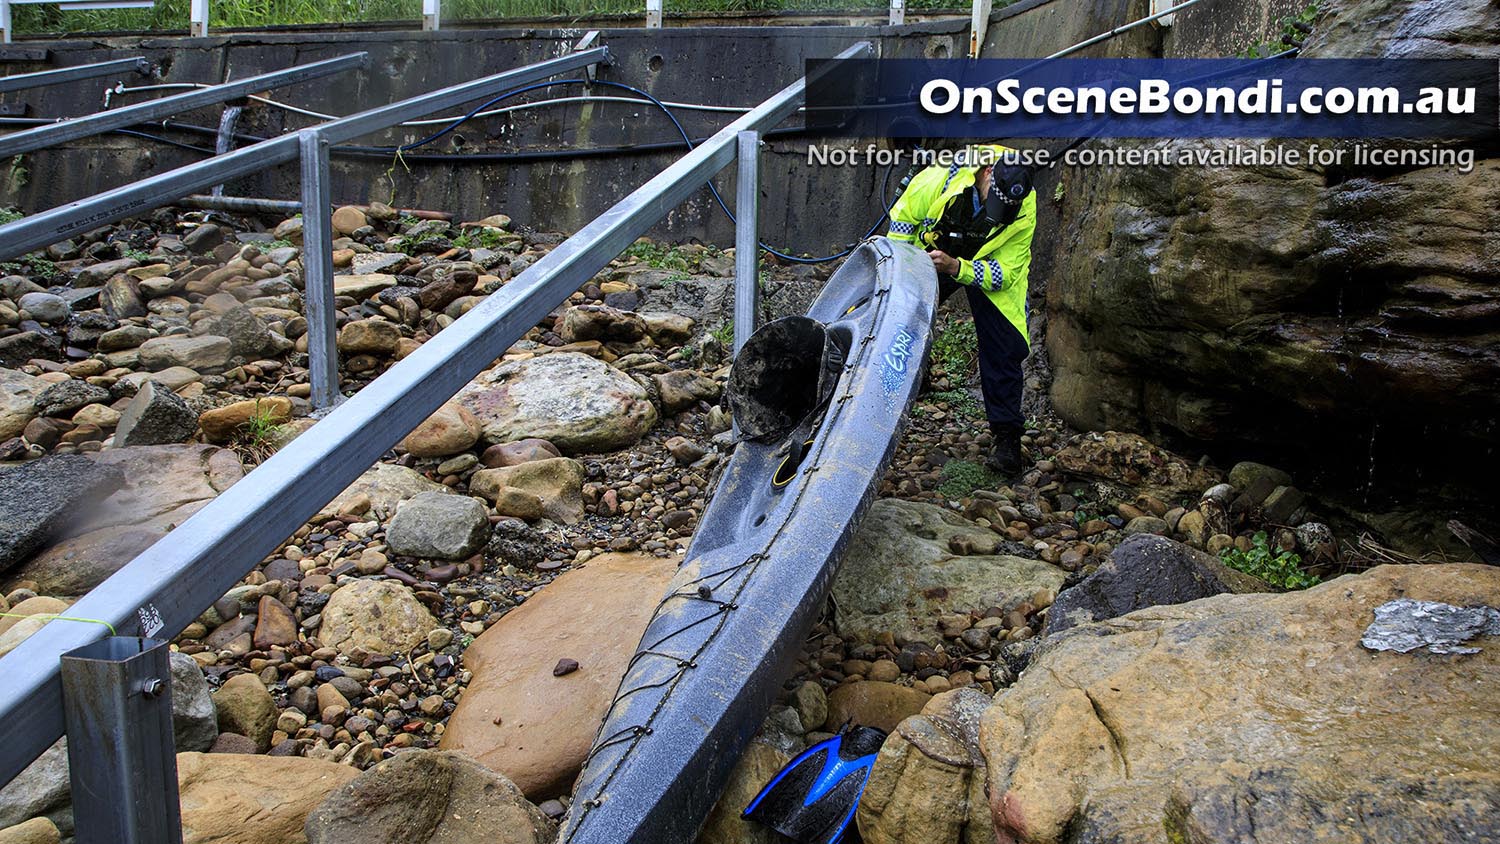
{"x":9,"y":215}
{"x":955,"y":348}
{"x":658,"y":256}
{"x":1280,"y":568}
{"x":1294,"y":29}
{"x":962,"y":477}
{"x":258,"y":436}
{"x":961,"y":402}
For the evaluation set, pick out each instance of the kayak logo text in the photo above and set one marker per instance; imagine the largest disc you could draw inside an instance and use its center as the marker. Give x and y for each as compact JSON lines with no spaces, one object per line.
{"x":896,"y":360}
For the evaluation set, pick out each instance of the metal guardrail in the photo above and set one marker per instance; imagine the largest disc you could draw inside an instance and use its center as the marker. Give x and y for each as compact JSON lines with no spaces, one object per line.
{"x":166,"y":587}
{"x":94,"y":124}
{"x":43,"y":78}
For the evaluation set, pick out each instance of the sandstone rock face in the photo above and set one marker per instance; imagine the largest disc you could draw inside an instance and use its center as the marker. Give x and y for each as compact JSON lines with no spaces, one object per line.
{"x":928,"y":781}
{"x":1252,"y":718}
{"x":377,"y":616}
{"x":516,"y":717}
{"x":1289,"y":307}
{"x":428,"y":797}
{"x":900,"y":574}
{"x":574,"y":401}
{"x":243,"y":799}
{"x":1146,"y":571}
{"x":557,"y":483}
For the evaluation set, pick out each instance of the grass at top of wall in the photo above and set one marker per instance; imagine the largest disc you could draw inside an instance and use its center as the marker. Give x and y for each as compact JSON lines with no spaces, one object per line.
{"x":172,"y":15}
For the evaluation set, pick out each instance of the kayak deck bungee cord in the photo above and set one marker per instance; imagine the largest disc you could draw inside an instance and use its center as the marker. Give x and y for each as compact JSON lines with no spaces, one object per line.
{"x":761,"y":564}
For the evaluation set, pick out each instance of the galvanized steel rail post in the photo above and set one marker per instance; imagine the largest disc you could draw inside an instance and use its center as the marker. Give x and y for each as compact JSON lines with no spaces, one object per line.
{"x":167,"y":586}
{"x":104,"y":121}
{"x":317,"y":271}
{"x":43,"y":78}
{"x":746,"y":238}
{"x":117,"y":702}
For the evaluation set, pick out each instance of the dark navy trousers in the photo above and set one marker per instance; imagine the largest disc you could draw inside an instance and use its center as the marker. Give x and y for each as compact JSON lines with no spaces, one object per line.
{"x":1002,"y":350}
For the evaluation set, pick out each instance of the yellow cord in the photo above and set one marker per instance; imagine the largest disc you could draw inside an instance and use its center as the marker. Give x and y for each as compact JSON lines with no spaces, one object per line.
{"x":54,"y":617}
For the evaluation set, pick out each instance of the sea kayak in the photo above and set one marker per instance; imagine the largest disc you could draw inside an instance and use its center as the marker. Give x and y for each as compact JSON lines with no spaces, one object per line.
{"x":761,"y":564}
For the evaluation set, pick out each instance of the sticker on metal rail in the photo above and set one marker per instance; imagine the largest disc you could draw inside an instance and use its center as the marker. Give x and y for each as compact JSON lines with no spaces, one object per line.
{"x":151,"y":621}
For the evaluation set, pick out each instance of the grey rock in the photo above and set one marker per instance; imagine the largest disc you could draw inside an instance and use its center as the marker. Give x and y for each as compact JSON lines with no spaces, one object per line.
{"x":1145,"y":571}
{"x":1282,"y":504}
{"x":428,"y":797}
{"x":46,"y":307}
{"x":121,"y":298}
{"x":102,"y":272}
{"x":42,"y":790}
{"x":156,"y":416}
{"x":195,"y":723}
{"x":13,"y":287}
{"x":64,"y":397}
{"x":1247,"y":473}
{"x":204,"y":238}
{"x":16,"y":349}
{"x":901,"y":573}
{"x":438,"y":525}
{"x":248,"y":334}
{"x":124,"y":337}
{"x":283,"y":255}
{"x":197,"y":353}
{"x":1405,"y":625}
{"x":38,"y":498}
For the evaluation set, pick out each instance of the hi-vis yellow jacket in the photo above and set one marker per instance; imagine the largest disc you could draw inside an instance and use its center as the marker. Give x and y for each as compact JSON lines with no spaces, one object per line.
{"x":1003,"y":263}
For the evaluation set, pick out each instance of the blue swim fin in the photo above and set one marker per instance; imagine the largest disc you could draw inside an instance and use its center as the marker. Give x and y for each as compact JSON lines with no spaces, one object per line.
{"x":812,"y":800}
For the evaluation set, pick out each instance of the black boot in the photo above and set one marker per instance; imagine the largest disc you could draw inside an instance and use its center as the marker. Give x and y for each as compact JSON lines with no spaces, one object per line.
{"x":1005,"y":455}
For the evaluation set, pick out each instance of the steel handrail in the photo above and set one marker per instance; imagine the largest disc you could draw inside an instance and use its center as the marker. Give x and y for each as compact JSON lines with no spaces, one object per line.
{"x":43,"y":78}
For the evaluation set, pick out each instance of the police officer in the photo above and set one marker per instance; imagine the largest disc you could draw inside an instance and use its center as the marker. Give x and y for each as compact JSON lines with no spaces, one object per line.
{"x":975,"y":218}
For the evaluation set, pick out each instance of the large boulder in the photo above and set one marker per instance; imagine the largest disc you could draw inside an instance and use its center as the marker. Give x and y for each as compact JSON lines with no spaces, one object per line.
{"x":39,"y":499}
{"x":438,"y":526}
{"x":1136,"y":462}
{"x":428,"y":797}
{"x":1146,"y":571}
{"x":18,"y":394}
{"x":515,"y":716}
{"x":900,"y":574}
{"x":576,"y":402}
{"x":233,"y":798}
{"x":1253,"y":718}
{"x":928,"y":781}
{"x":376,"y":616}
